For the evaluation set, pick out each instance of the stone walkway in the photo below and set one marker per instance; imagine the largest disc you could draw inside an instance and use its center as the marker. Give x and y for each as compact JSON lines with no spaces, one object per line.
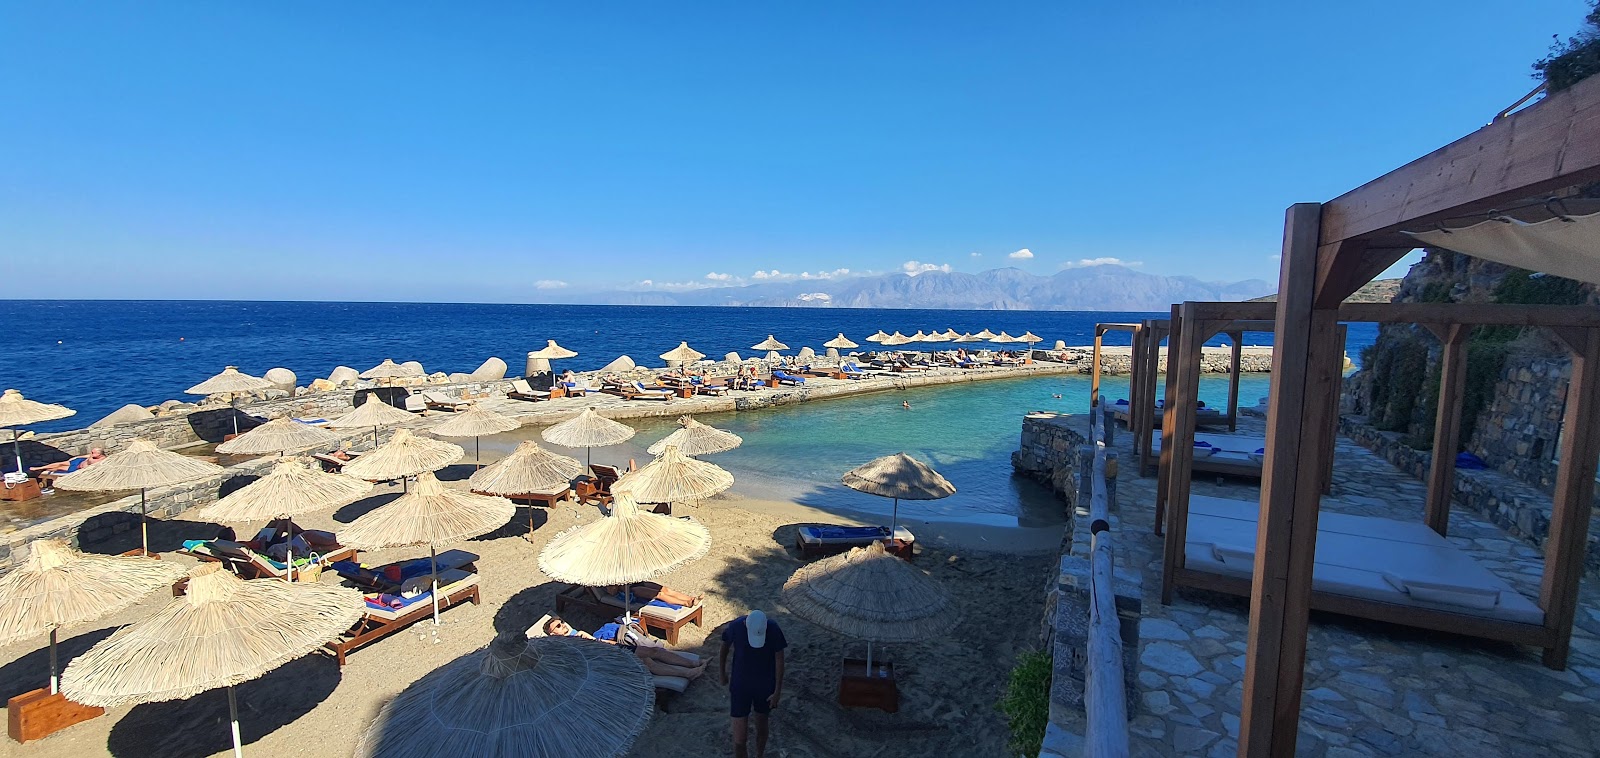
{"x":1371,"y":688}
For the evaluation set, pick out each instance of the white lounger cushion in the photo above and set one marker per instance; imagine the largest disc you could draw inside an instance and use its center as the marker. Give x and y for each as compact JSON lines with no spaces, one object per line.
{"x":450,"y":582}
{"x":1356,"y":556}
{"x":1227,"y":443}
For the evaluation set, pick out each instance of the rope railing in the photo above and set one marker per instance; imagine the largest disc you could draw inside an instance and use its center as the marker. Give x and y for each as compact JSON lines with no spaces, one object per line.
{"x":1105,"y":696}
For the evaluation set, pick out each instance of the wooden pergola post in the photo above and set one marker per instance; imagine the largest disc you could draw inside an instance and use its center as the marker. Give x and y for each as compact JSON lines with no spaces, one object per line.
{"x":1330,"y":439}
{"x":1094,"y":366}
{"x":1177,"y":460}
{"x":1447,"y":424}
{"x":1280,"y":597}
{"x":1574,"y":493}
{"x":1233,"y":380}
{"x":1164,"y":466}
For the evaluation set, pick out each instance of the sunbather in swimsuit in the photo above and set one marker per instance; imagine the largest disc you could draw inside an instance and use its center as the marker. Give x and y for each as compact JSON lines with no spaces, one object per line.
{"x":70,"y":465}
{"x":659,"y":661}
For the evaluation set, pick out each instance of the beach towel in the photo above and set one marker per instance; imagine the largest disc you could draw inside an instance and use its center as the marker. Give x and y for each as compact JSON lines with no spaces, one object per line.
{"x":1470,"y":462}
{"x":849,"y":532}
{"x":633,"y":599}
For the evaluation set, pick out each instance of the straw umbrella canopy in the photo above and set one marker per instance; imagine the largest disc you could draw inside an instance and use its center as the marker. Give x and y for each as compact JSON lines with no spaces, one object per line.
{"x":842,"y":342}
{"x":628,"y":546}
{"x":935,"y":337}
{"x":869,"y":594}
{"x":968,"y":337}
{"x":985,"y":335}
{"x":280,"y":435}
{"x":16,"y":410}
{"x":58,"y":586}
{"x":950,"y":334}
{"x":232,"y":382}
{"x":918,"y":337}
{"x":672,"y":477}
{"x":879,"y":337}
{"x":1002,"y":339}
{"x":527,"y":469}
{"x":696,"y":438}
{"x":475,"y":422}
{"x":901,"y":477}
{"x":432,"y":515}
{"x":1030,"y":338}
{"x":294,"y":486}
{"x":682,"y":354}
{"x":223,"y":631}
{"x":374,"y":413}
{"x":896,"y":339}
{"x":588,"y":430}
{"x":770,"y":343}
{"x":141,"y":465}
{"x":548,"y":696}
{"x":552,"y":352}
{"x":405,"y":454}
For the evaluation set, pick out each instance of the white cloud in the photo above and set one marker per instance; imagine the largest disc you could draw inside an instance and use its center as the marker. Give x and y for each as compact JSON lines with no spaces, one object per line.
{"x":821,"y":296}
{"x":913,"y":268}
{"x":1022,"y":255}
{"x":549,"y":284}
{"x":977,"y":255}
{"x":716,"y":277}
{"x":779,"y":276}
{"x":1106,"y":261}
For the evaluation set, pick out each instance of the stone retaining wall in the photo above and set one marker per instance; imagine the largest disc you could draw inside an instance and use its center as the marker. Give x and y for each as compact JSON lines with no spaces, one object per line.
{"x":1518,"y":433}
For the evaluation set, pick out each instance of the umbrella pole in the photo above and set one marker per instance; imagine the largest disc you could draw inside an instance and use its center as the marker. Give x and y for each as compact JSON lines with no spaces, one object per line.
{"x":233,"y":722}
{"x":894,"y":520}
{"x":144,"y":525}
{"x":16,"y":447}
{"x":233,"y":412}
{"x":55,"y":681}
{"x":374,"y":437}
{"x":477,"y":460}
{"x":869,"y":658}
{"x":433,"y":560}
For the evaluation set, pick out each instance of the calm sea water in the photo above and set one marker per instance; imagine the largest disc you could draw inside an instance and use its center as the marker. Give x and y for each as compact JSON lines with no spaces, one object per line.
{"x":96,"y":355}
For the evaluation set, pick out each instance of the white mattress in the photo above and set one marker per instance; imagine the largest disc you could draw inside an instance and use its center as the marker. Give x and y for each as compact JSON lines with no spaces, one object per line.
{"x":1225,"y":443}
{"x":1361,"y":556}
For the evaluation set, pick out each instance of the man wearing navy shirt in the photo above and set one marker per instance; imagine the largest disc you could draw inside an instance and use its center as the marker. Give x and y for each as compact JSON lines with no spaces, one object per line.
{"x":756,"y":644}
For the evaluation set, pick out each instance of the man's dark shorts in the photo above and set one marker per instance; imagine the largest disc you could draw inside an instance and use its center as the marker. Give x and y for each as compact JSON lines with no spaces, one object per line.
{"x":743,"y":700}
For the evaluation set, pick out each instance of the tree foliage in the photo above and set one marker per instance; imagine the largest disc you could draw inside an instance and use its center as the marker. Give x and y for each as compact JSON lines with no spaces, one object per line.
{"x":1575,"y":59}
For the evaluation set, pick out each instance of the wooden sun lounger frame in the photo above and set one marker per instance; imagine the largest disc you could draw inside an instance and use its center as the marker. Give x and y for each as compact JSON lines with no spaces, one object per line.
{"x":443,"y":402}
{"x":530,"y":395}
{"x":372,"y":628}
{"x":579,"y":596}
{"x":258,"y":568}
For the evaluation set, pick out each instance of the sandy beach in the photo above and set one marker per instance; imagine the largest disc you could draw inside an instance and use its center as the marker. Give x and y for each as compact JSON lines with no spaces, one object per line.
{"x":310,"y":707}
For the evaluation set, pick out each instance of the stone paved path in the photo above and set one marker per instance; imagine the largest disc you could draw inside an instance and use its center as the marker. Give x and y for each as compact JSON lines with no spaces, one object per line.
{"x":1371,"y":689}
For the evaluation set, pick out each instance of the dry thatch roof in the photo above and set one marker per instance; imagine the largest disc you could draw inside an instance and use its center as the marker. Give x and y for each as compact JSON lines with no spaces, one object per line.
{"x":388,"y":369}
{"x":950,"y":334}
{"x":551,"y":352}
{"x":280,"y":435}
{"x":770,"y":343}
{"x":1029,"y":337}
{"x":985,"y":334}
{"x":682,"y":354}
{"x":475,"y":422}
{"x":1003,"y":338}
{"x":222,"y":631}
{"x":918,"y":337}
{"x":139,"y":466}
{"x":230,"y":381}
{"x":550,"y":696}
{"x":430,"y":514}
{"x":899,"y":476}
{"x":58,"y":586}
{"x":895,"y":339}
{"x":696,"y":438}
{"x":879,"y":337}
{"x":969,"y":338}
{"x":529,"y":468}
{"x":840,"y":342}
{"x":294,"y":486}
{"x":405,"y":454}
{"x":871,"y":595}
{"x":673,"y":477}
{"x":16,"y":410}
{"x":373,"y":412}
{"x":588,"y":429}
{"x":628,"y":546}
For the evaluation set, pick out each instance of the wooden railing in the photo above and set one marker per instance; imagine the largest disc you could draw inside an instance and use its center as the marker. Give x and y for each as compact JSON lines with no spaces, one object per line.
{"x":1105,"y":696}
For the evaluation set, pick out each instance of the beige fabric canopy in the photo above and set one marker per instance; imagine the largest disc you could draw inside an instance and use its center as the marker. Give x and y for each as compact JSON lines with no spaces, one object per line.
{"x":1567,"y":246}
{"x":587,"y":430}
{"x":549,"y":696}
{"x":869,"y":594}
{"x":475,"y":422}
{"x":900,"y":477}
{"x":673,"y":477}
{"x":405,"y":454}
{"x":388,"y":369}
{"x":770,"y":343}
{"x":293,"y":486}
{"x":280,"y":435}
{"x":552,"y":352}
{"x":529,"y":469}
{"x":695,"y":438}
{"x":841,"y":342}
{"x":16,"y":410}
{"x":58,"y":586}
{"x":221,"y":632}
{"x":879,"y":337}
{"x":628,"y":546}
{"x":231,"y":381}
{"x":682,"y":354}
{"x":140,"y":466}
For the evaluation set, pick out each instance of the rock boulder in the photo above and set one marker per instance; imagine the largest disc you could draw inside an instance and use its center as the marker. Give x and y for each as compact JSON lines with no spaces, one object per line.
{"x":492,"y":370}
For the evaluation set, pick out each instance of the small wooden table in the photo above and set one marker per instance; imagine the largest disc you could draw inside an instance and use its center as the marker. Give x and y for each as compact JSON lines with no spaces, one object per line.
{"x":27,"y":490}
{"x":558,"y":391}
{"x":686,"y":391}
{"x":899,"y":548}
{"x":860,"y":688}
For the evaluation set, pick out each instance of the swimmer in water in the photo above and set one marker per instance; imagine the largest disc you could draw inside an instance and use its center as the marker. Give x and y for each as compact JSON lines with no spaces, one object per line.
{"x":906,"y":404}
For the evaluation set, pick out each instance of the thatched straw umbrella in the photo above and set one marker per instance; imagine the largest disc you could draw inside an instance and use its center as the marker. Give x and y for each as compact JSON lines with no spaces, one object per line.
{"x":696,"y":438}
{"x":1030,"y":338}
{"x":967,"y":337}
{"x":1002,"y":338}
{"x":918,"y":337}
{"x":527,"y":469}
{"x":935,"y":336}
{"x":280,"y":435}
{"x":869,"y":594}
{"x":475,"y":422}
{"x":673,"y":477}
{"x":879,"y":337}
{"x":895,"y":340}
{"x":950,"y":335}
{"x":628,"y":546}
{"x":140,"y":466}
{"x":588,"y":430}
{"x":405,"y":454}
{"x":842,"y":342}
{"x":221,"y":632}
{"x":548,"y":696}
{"x":294,"y":486}
{"x":552,"y":352}
{"x":682,"y":355}
{"x":985,"y":334}
{"x":232,"y":382}
{"x":58,"y":586}
{"x":388,"y":369}
{"x":770,"y":343}
{"x":374,"y":412}
{"x":901,"y":477}
{"x":432,"y":515}
{"x":16,"y":410}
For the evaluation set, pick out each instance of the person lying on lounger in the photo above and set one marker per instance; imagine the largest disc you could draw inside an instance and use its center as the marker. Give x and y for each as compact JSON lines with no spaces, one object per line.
{"x":659,"y":661}
{"x":653,"y":594}
{"x":70,"y":465}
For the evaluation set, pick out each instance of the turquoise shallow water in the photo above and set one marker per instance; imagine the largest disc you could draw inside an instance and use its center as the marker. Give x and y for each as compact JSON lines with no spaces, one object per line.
{"x":966,"y":431}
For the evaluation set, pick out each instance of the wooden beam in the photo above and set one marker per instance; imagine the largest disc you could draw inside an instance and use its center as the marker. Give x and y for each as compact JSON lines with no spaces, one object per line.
{"x":1286,"y":536}
{"x":1164,"y":468}
{"x":1447,"y":426}
{"x":1475,"y":314}
{"x":1344,"y":267}
{"x":1330,"y":438}
{"x":1567,"y":545}
{"x":1550,"y":145}
{"x":1177,"y":436}
{"x":1233,"y":380}
{"x":1094,"y":368}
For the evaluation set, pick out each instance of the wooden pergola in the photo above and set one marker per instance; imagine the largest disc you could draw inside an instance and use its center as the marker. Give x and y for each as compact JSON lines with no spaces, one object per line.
{"x":1331,"y":249}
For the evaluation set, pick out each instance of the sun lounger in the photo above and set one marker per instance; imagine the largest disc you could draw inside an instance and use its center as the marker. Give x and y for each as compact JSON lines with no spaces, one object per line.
{"x":1231,"y":454}
{"x":416,"y":403}
{"x":380,"y":620}
{"x":668,"y":621}
{"x":827,"y":539}
{"x":438,"y":401}
{"x":331,"y":464}
{"x":1203,"y":416}
{"x":390,"y":576}
{"x":662,"y":683}
{"x":548,"y":499}
{"x":521,"y":390}
{"x":784,"y":377}
{"x":243,"y":559}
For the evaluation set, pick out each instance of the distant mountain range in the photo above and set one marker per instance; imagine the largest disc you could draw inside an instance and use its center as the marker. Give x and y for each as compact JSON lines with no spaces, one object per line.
{"x":1375,"y":291}
{"x":1090,"y":288}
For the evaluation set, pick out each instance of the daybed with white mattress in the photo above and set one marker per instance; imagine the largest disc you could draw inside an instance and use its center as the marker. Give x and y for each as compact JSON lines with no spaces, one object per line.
{"x":1233,"y":454}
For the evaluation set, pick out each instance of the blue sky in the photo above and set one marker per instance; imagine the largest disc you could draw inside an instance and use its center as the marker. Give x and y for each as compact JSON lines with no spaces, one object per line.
{"x":481,"y":152}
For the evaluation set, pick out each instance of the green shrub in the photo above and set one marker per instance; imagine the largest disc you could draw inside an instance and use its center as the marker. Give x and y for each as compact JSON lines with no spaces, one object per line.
{"x":1027,"y":702}
{"x":1575,"y":59}
{"x":1403,"y":386}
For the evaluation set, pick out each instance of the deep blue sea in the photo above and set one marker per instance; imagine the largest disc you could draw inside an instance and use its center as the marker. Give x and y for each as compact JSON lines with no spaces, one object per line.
{"x":96,"y":355}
